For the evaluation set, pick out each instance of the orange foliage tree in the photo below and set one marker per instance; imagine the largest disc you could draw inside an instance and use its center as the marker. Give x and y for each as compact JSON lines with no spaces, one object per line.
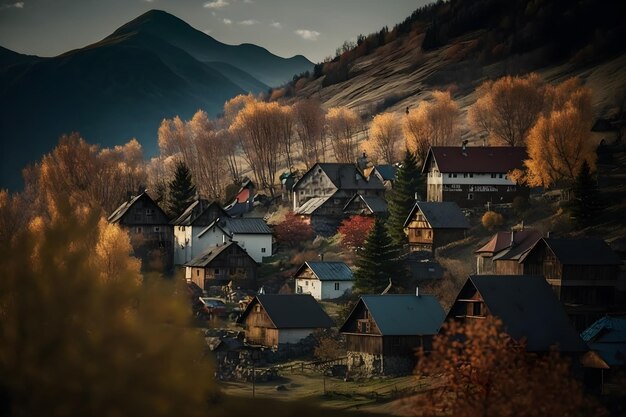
{"x":292,"y":231}
{"x":385,"y":135}
{"x":309,"y":121}
{"x":354,"y":230}
{"x":476,"y":369}
{"x":491,"y":220}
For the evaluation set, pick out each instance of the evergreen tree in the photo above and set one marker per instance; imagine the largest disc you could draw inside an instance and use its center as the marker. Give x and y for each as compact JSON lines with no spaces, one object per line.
{"x":377,"y":262}
{"x":586,"y":203}
{"x":402,"y":197}
{"x":182,"y":191}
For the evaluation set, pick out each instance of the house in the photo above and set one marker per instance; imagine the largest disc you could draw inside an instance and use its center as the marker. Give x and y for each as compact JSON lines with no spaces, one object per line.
{"x":431,"y":225}
{"x":324,"y":280}
{"x":325,"y":189}
{"x":474,"y":176}
{"x":188,"y":226}
{"x":273,"y":320}
{"x":151,"y":235}
{"x":243,"y":201}
{"x":501,"y":255}
{"x":527,"y":307}
{"x":383,"y":332}
{"x":222,"y":264}
{"x":251,"y":233}
{"x":368,"y":205}
{"x":607,"y":340}
{"x":583,"y":273}
{"x":385,"y":173}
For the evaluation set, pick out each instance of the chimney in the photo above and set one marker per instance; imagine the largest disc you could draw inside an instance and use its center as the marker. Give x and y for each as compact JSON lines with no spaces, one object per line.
{"x":512,"y":238}
{"x":417,"y":291}
{"x":321,"y":256}
{"x":548,"y":234}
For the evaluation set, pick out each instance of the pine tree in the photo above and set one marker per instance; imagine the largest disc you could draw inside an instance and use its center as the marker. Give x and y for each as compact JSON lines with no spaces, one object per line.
{"x":377,"y":262}
{"x":402,"y":197}
{"x":586,"y":203}
{"x":182,"y":191}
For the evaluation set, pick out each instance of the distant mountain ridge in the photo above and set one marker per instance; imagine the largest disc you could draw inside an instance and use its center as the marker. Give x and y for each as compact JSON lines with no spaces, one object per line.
{"x":153,"y":67}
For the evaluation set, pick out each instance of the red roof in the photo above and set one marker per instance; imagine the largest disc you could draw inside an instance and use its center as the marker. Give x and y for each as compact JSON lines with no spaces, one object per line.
{"x":487,"y":159}
{"x":523,"y":240}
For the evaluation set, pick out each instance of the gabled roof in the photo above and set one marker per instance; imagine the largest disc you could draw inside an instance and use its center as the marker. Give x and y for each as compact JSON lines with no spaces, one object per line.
{"x":119,"y":212}
{"x":213,"y":252}
{"x":403,"y":314}
{"x":386,"y":172}
{"x":345,"y":176}
{"x":607,"y":337}
{"x":499,"y":246}
{"x":242,"y":226}
{"x":483,"y":159}
{"x":440,"y":215}
{"x":194,"y":211}
{"x":529,"y":309}
{"x":587,"y":251}
{"x":311,"y":205}
{"x":374,"y":203}
{"x":328,"y":271}
{"x":290,"y":311}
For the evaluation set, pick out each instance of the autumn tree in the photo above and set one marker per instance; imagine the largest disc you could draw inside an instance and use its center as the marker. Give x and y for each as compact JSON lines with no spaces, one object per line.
{"x":182,"y":191}
{"x":402,"y":196}
{"x":309,"y":124}
{"x":81,"y":335}
{"x":560,"y":141}
{"x":507,"y":109}
{"x":354,"y":231}
{"x":384,"y":138}
{"x":476,"y":369}
{"x":377,"y":262}
{"x":293,"y":231}
{"x":585,"y":205}
{"x":433,"y":123}
{"x":342,"y":126}
{"x":492,"y":220}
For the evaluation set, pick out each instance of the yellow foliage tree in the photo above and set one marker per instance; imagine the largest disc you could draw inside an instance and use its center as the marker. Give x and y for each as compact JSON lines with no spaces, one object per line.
{"x":342,"y":125}
{"x":385,"y":135}
{"x":492,"y":220}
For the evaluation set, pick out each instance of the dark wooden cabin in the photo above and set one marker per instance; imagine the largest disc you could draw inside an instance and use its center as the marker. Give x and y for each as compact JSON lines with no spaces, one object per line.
{"x":501,"y":255}
{"x":434,"y":224}
{"x":383,"y":331}
{"x":222,"y":264}
{"x":583,"y":273}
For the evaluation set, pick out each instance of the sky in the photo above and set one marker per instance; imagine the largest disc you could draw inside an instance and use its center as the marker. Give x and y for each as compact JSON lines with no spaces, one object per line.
{"x":313,"y":28}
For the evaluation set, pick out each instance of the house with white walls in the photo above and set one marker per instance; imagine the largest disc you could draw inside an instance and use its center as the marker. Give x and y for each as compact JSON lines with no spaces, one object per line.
{"x":252,"y":234}
{"x":324,"y":280}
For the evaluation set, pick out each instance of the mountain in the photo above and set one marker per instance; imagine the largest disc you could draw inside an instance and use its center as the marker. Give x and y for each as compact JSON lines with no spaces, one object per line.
{"x":154,"y":67}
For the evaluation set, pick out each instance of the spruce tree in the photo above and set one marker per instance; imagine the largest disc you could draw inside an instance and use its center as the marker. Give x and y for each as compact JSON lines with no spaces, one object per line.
{"x":377,"y":262}
{"x":182,"y":191}
{"x":402,"y":197}
{"x":586,"y":203}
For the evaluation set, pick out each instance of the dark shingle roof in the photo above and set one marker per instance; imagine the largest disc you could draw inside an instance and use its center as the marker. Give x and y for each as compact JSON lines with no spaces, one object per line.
{"x":405,"y":314}
{"x":528,"y":308}
{"x":485,"y":159}
{"x":119,"y":212}
{"x":440,"y":215}
{"x":375,"y":203}
{"x":588,"y":251}
{"x":346,"y":176}
{"x":291,"y":311}
{"x":329,"y":271}
{"x":194,"y":211}
{"x":210,"y":254}
{"x":243,"y":225}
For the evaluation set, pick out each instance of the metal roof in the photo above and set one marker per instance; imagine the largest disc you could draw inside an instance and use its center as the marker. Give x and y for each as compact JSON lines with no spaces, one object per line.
{"x":529,"y":309}
{"x":328,"y":271}
{"x":387,"y":172}
{"x":607,"y":337}
{"x":440,"y":215}
{"x":475,"y":159}
{"x":405,"y":314}
{"x":587,"y":251}
{"x":346,"y":176}
{"x":291,"y":311}
{"x":241,"y":226}
{"x":311,"y":205}
{"x":500,"y":244}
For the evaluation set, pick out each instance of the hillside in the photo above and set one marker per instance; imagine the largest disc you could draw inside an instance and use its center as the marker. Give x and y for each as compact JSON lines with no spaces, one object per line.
{"x":154,"y":67}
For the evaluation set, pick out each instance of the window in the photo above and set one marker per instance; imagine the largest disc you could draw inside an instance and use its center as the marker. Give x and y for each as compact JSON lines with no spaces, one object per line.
{"x":470,"y":196}
{"x":501,"y":175}
{"x":257,"y":308}
{"x":197,"y":272}
{"x":216,"y":271}
{"x":138,"y":230}
{"x":471,"y":175}
{"x":149,"y":212}
{"x":306,"y":283}
{"x":465,"y":175}
{"x":262,"y":250}
{"x":449,"y":175}
{"x":477,"y":309}
{"x":336,"y":286}
{"x":493,"y":175}
{"x":157,"y":229}
{"x":454,"y":175}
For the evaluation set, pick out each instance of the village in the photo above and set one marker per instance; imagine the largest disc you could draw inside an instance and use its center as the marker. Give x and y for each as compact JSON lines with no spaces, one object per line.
{"x":287,"y":312}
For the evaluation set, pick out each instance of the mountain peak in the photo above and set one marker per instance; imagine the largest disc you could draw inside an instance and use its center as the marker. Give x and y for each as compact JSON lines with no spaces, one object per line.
{"x":155,"y":22}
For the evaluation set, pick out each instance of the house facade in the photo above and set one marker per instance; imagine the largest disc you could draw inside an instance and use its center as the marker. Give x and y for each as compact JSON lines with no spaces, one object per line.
{"x":151,"y":235}
{"x":431,"y":225}
{"x":272,"y":320}
{"x":221,"y":265}
{"x":324,"y":280}
{"x":474,"y":176}
{"x":252,"y":234}
{"x":383,"y":332}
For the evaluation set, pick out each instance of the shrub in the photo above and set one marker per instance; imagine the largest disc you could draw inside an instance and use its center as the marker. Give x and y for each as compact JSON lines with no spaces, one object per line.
{"x":491,"y":220}
{"x":293,"y":231}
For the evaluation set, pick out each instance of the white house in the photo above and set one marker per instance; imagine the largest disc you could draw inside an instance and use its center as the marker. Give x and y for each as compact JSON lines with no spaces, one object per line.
{"x":252,"y":234}
{"x":200,"y":214}
{"x":324,"y":280}
{"x":474,"y":176}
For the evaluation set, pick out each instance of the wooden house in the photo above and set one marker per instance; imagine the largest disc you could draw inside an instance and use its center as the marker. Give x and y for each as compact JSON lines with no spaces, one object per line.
{"x":222,"y":264}
{"x":383,"y":331}
{"x":324,"y":280}
{"x":434,"y":224}
{"x":251,"y":233}
{"x":151,"y":235}
{"x":474,"y":176}
{"x":583,"y":273}
{"x":200,"y":214}
{"x":527,"y":307}
{"x":366,"y":206}
{"x":273,"y":320}
{"x":501,"y":255}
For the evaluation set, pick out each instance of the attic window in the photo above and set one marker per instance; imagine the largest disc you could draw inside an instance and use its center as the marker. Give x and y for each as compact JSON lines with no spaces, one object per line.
{"x":319,"y":171}
{"x":257,"y":308}
{"x":149,"y":212}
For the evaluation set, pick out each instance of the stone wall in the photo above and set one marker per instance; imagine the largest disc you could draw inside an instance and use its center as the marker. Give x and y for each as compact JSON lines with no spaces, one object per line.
{"x":367,"y":364}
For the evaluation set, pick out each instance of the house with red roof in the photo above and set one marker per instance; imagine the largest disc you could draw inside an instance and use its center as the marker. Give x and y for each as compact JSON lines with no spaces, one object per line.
{"x":473,"y":176}
{"x":501,"y":255}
